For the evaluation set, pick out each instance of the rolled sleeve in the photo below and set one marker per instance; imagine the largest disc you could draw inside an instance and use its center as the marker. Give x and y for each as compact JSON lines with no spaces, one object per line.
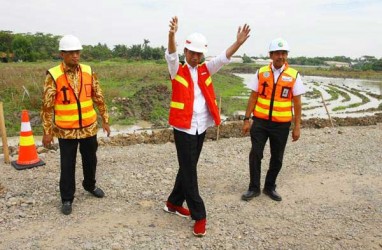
{"x":253,"y":84}
{"x":217,"y":62}
{"x":172,"y":63}
{"x":298,"y":88}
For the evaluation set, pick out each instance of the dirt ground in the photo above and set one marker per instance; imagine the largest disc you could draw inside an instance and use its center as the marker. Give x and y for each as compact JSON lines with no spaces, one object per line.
{"x":330,"y":183}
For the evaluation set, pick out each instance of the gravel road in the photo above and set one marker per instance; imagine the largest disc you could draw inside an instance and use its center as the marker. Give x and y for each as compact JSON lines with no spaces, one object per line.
{"x":331,"y":187}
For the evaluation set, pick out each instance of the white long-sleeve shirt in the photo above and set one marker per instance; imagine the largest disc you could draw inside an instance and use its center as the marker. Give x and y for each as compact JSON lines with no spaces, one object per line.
{"x":201,"y":117}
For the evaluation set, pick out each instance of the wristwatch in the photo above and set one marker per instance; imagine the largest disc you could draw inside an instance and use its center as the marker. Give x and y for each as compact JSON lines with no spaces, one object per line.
{"x":246,"y":118}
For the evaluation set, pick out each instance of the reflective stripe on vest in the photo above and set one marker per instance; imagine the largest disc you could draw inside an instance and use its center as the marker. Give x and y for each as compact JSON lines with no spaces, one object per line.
{"x":71,"y":111}
{"x":274,"y":101}
{"x":181,"y":80}
{"x":177,"y":105}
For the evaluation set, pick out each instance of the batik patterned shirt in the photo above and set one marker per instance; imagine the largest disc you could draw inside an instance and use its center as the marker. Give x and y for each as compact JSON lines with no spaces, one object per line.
{"x":47,"y":112}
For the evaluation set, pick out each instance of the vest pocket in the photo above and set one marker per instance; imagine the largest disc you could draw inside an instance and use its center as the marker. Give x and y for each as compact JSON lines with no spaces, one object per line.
{"x":88,"y":90}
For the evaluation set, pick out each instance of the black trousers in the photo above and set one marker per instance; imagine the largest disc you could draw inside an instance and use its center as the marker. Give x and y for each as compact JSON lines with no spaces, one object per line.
{"x":188,"y":148}
{"x":277,"y":132}
{"x":68,"y":153}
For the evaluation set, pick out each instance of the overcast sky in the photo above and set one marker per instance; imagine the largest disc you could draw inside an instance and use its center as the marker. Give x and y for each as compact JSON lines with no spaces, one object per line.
{"x":312,"y":28}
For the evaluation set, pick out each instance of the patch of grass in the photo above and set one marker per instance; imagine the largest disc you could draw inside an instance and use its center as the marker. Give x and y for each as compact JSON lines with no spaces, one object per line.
{"x":364,"y":99}
{"x":345,"y":95}
{"x":226,"y":84}
{"x":339,"y":73}
{"x":379,"y":97}
{"x":129,"y":78}
{"x":356,"y":92}
{"x":21,"y":87}
{"x":333,"y":94}
{"x":126,"y":121}
{"x":158,"y":115}
{"x":230,"y":105}
{"x":312,"y":107}
{"x":313,"y":94}
{"x":247,"y":68}
{"x":338,"y":108}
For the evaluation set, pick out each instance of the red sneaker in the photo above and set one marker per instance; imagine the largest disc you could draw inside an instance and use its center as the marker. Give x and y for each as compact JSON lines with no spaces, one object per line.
{"x":178,"y":210}
{"x":200,"y":228}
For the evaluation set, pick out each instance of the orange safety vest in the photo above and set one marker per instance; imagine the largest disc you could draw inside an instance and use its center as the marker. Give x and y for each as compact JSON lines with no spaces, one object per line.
{"x":71,"y":112}
{"x":182,"y":100}
{"x":274,"y":101}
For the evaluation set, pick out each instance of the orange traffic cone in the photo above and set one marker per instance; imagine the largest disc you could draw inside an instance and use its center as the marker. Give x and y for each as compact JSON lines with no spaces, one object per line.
{"x":27,"y":150}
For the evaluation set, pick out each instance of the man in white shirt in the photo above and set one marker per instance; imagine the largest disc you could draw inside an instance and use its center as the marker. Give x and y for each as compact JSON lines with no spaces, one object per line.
{"x":276,"y":91}
{"x":193,"y":109}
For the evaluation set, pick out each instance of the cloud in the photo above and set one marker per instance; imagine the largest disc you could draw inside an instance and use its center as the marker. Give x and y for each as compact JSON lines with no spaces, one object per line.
{"x":312,"y":28}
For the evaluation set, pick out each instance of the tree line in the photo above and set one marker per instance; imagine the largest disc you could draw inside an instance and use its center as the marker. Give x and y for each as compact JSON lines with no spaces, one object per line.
{"x":39,"y":46}
{"x":364,"y":63}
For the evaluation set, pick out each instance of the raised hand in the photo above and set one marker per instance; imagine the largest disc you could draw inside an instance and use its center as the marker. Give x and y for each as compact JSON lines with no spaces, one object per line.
{"x":241,"y":37}
{"x":174,"y":25}
{"x":171,"y":34}
{"x":242,"y":34}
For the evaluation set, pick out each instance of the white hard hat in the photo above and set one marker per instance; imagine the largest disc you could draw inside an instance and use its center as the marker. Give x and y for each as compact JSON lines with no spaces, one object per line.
{"x":278,"y":44}
{"x":196,"y":42}
{"x":70,"y":43}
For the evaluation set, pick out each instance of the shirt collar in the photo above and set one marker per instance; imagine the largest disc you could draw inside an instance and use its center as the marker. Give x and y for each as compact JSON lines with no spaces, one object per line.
{"x":67,"y":69}
{"x":279,"y":70}
{"x":190,"y":67}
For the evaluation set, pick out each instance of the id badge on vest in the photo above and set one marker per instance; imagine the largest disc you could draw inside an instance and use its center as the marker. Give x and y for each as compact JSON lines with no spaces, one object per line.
{"x":285,"y":91}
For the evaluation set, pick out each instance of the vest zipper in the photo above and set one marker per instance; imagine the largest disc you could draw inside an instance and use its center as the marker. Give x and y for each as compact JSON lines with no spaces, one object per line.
{"x":273,"y":94}
{"x":77,"y":101}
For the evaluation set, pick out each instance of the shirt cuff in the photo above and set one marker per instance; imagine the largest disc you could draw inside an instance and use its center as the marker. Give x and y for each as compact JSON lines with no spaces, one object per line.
{"x":171,"y":57}
{"x":48,"y":131}
{"x":223,"y":57}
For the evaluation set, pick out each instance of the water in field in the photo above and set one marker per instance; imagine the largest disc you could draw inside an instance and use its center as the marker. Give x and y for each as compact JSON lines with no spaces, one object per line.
{"x":343,"y":97}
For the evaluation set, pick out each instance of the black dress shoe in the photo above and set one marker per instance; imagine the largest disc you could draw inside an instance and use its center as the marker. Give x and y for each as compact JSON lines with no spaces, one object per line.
{"x":66,"y":207}
{"x":249,"y":195}
{"x":272,"y":194}
{"x":97,"y":192}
